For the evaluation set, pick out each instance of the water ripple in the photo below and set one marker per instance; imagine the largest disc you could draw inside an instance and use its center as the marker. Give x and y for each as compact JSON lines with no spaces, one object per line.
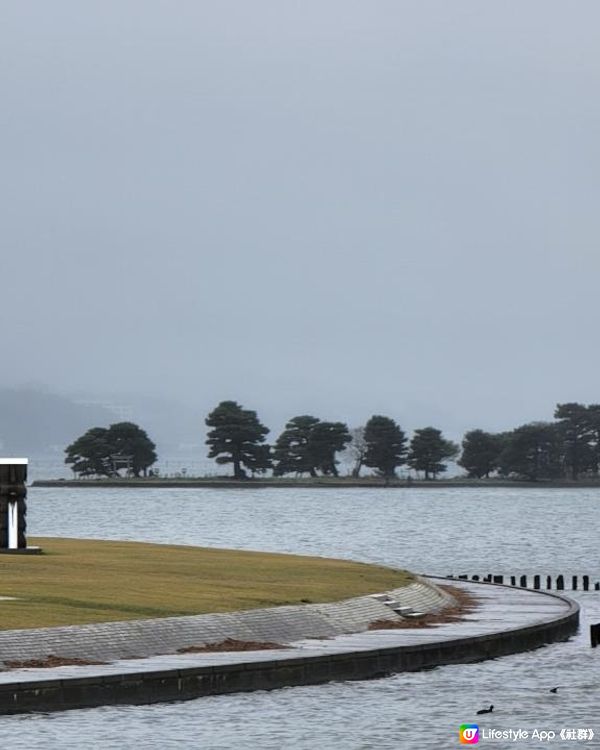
{"x":543,"y":531}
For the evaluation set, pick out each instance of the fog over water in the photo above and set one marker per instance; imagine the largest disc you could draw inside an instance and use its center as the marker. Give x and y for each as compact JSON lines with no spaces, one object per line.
{"x":340,"y":208}
{"x":504,"y":531}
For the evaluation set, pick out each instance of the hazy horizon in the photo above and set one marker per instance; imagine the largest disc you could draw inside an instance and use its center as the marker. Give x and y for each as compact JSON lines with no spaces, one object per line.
{"x":337,"y":208}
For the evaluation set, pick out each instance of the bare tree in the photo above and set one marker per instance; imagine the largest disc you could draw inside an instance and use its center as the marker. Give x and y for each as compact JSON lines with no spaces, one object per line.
{"x":357,"y":450}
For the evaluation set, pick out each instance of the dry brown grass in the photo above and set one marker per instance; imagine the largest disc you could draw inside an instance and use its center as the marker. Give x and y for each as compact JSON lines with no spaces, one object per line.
{"x":48,"y":662}
{"x":465,"y":604}
{"x":231,"y":644}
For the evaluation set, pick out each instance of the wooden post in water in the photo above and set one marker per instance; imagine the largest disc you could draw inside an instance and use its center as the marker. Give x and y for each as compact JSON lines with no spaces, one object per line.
{"x":498,"y":579}
{"x":586,"y":583}
{"x":474,"y":578}
{"x":595,"y":634}
{"x":548,"y":582}
{"x":574,"y":583}
{"x":597,"y":586}
{"x":536,"y":582}
{"x":513,"y":581}
{"x":523,"y":582}
{"x":560,"y":583}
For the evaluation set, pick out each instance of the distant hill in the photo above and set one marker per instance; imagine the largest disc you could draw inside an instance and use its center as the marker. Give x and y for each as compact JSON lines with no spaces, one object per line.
{"x":36,"y":422}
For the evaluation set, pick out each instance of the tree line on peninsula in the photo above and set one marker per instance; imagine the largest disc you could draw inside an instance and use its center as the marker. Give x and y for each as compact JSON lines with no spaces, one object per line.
{"x":567,"y":448}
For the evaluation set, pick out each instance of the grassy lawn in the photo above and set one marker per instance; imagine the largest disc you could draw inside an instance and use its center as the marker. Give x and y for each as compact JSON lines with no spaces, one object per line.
{"x":79,"y":581}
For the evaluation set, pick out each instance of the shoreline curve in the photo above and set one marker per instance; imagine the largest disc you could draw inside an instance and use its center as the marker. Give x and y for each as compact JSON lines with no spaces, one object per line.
{"x":508,"y":621}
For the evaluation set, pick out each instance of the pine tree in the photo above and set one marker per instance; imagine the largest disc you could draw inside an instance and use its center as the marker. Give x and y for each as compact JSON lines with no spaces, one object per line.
{"x":327,"y":439}
{"x":428,"y":450}
{"x":532,"y":451}
{"x":89,"y":455}
{"x":480,"y":453}
{"x":576,"y":430}
{"x":102,"y":452}
{"x":133,"y":444}
{"x":385,"y":445}
{"x":237,"y":438}
{"x":308,"y":445}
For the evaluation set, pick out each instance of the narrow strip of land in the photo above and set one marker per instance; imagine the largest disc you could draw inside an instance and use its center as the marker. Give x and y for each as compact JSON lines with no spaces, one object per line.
{"x":318,"y":482}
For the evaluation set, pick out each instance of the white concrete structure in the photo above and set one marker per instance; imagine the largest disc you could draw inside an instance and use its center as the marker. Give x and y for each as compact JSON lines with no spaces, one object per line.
{"x":13,"y":526}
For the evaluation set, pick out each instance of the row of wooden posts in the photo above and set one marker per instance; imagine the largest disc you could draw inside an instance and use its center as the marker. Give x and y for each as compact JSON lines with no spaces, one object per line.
{"x":559,"y":581}
{"x":537,"y":584}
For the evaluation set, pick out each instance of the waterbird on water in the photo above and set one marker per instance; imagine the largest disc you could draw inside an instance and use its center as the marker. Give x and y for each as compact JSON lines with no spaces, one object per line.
{"x":486,"y":710}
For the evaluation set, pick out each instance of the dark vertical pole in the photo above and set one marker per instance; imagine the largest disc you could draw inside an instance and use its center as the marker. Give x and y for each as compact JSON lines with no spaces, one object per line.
{"x":574,"y":584}
{"x":474,"y":578}
{"x":13,"y":491}
{"x":513,"y":581}
{"x":523,"y":582}
{"x":560,"y":583}
{"x":594,"y":634}
{"x":597,"y":586}
{"x":498,"y":579}
{"x":586,"y":583}
{"x":548,"y":582}
{"x":536,"y":582}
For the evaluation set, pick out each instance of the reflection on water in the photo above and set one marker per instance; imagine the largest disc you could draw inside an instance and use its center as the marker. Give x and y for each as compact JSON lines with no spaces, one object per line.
{"x":438,"y":531}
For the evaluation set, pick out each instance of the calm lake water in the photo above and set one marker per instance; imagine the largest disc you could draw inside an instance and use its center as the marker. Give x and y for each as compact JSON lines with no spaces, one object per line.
{"x":547,"y":531}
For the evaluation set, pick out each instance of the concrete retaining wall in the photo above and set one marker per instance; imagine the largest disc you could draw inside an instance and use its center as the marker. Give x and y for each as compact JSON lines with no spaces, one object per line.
{"x":151,"y":686}
{"x":143,"y":638}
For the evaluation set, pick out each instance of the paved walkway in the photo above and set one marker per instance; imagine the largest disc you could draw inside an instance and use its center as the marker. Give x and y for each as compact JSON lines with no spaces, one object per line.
{"x":520,"y":613}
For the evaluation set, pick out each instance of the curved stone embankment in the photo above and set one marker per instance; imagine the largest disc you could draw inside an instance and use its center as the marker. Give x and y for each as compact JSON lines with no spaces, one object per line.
{"x":506,"y":621}
{"x":135,"y":639}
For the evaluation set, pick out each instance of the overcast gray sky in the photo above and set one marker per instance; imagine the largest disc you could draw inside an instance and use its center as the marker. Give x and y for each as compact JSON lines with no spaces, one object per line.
{"x":335,"y":207}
